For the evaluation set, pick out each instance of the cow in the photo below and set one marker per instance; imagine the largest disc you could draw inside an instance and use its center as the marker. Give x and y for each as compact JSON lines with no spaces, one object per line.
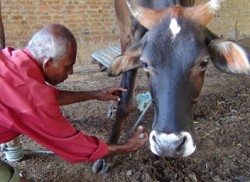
{"x":173,"y":45}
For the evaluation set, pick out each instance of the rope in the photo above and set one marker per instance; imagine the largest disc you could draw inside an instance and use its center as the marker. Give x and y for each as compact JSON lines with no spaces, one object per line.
{"x":12,"y":154}
{"x":40,"y":151}
{"x":145,"y":100}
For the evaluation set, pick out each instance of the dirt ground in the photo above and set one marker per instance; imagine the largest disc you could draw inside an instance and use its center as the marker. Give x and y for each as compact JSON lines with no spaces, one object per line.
{"x":222,"y":125}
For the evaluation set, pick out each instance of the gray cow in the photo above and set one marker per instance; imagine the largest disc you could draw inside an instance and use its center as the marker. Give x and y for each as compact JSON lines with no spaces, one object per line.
{"x":172,"y":44}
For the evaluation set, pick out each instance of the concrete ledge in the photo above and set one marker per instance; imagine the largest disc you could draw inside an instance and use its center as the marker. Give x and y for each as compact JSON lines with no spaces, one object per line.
{"x":105,"y":56}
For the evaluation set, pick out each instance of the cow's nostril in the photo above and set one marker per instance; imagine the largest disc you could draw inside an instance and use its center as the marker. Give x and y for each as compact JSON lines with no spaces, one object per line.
{"x":182,"y":142}
{"x":154,"y":138}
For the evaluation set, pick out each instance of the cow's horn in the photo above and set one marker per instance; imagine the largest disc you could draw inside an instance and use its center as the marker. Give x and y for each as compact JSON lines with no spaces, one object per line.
{"x":214,"y":5}
{"x":135,"y":12}
{"x":203,"y":13}
{"x":147,"y":17}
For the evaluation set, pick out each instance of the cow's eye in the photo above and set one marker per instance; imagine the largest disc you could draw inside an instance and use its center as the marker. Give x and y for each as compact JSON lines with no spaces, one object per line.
{"x":204,"y":63}
{"x":144,"y":64}
{"x":147,"y":67}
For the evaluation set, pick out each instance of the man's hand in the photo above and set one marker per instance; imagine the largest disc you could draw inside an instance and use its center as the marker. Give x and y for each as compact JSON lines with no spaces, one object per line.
{"x":133,"y":143}
{"x":137,"y":140}
{"x":110,"y":93}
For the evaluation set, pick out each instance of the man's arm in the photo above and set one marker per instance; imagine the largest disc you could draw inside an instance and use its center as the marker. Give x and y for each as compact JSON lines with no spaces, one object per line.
{"x":69,"y":97}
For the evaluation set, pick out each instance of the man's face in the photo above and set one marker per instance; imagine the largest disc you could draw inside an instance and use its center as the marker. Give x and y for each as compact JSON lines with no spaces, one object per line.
{"x":55,"y":74}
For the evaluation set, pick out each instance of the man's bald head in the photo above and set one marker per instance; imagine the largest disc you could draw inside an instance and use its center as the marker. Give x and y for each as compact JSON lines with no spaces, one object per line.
{"x":53,"y":41}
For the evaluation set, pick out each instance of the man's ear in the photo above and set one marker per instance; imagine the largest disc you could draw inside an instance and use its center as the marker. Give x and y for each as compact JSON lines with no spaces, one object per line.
{"x":229,"y":56}
{"x":47,"y":63}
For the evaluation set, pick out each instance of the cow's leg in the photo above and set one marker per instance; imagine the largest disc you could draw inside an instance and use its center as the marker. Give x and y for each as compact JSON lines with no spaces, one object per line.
{"x":124,"y":108}
{"x":2,"y":35}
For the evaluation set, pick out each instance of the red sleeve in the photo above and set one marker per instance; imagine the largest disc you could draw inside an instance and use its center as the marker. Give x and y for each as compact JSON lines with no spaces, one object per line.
{"x":53,"y":131}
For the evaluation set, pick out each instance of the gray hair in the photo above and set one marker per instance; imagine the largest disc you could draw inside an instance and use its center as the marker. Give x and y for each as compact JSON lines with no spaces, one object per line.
{"x":52,"y":41}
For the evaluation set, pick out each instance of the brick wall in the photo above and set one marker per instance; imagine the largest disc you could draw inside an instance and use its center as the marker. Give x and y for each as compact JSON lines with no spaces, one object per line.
{"x":93,"y":21}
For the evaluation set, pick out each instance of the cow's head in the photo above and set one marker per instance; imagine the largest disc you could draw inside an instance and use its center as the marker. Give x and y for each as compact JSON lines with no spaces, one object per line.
{"x":175,"y":53}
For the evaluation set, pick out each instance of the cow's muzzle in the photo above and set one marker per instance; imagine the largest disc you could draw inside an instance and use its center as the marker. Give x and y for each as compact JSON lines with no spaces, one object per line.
{"x":174,"y":145}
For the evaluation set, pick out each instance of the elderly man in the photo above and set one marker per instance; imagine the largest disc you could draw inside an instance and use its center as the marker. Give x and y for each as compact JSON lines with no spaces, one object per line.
{"x":29,"y":106}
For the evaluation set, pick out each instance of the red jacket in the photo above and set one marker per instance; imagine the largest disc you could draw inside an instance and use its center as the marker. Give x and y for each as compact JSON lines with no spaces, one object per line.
{"x":28,"y":106}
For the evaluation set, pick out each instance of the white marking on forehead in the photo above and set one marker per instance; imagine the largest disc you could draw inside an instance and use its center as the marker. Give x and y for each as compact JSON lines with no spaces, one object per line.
{"x":174,"y":27}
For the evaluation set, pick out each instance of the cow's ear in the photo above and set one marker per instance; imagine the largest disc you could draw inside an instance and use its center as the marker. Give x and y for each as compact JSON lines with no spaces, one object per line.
{"x":129,"y":60}
{"x":229,"y":56}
